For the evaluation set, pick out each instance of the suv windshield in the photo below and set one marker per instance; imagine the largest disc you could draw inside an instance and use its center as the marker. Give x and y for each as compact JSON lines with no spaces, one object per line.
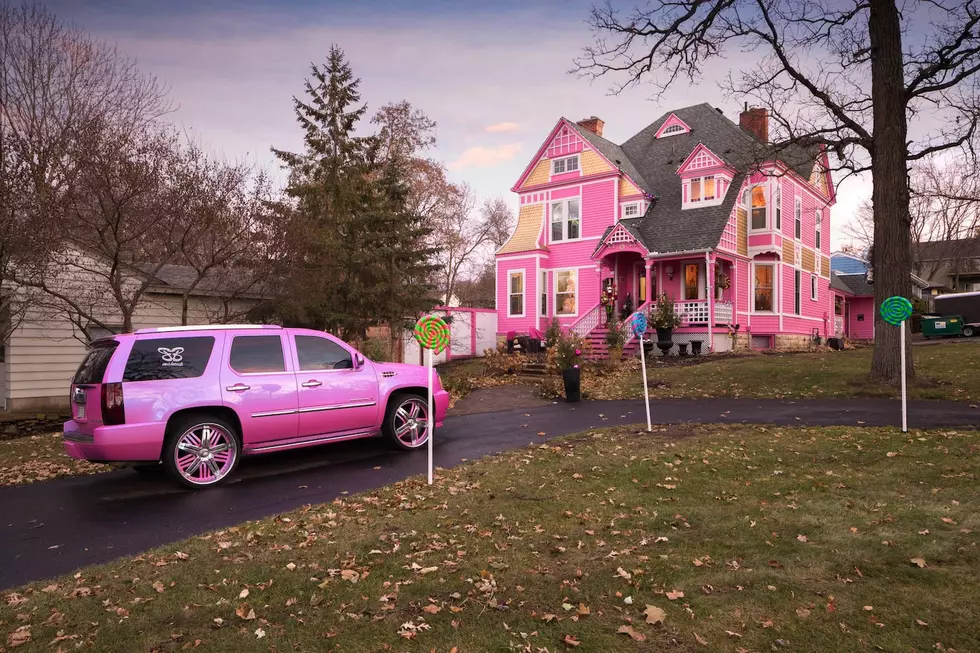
{"x":92,"y":369}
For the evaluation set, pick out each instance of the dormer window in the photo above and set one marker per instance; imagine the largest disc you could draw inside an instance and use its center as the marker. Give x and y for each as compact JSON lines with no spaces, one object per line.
{"x":563,"y":165}
{"x":631,"y":210}
{"x":673,"y":129}
{"x":702,"y":189}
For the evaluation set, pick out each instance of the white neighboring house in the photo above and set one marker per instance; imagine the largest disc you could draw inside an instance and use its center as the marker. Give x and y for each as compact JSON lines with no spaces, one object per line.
{"x":43,"y":352}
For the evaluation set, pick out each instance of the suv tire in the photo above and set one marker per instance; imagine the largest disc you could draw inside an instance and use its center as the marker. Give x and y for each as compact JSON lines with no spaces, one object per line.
{"x":201,"y":450}
{"x":406,"y":421}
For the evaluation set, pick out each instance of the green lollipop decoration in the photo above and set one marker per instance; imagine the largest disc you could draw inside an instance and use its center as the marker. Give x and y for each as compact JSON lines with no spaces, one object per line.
{"x":896,"y":310}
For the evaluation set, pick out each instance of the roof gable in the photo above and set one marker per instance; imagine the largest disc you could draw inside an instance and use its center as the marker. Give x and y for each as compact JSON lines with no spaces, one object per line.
{"x":702,"y":158}
{"x":672,"y":126}
{"x":565,"y":142}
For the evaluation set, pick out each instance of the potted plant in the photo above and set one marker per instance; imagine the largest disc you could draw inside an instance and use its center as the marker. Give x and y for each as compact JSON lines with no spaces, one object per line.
{"x":615,"y":340}
{"x":568,"y":356}
{"x":664,"y":318}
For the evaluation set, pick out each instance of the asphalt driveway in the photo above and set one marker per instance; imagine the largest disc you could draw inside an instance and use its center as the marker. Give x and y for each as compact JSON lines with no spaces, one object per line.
{"x":57,"y":526}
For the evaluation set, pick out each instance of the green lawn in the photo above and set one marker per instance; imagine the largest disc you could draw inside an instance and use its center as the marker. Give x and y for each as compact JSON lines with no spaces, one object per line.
{"x":40,"y":458}
{"x":702,"y":539}
{"x":944,"y":372}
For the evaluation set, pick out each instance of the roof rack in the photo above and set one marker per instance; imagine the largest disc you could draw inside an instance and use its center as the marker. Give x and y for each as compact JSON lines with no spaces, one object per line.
{"x":209,"y":327}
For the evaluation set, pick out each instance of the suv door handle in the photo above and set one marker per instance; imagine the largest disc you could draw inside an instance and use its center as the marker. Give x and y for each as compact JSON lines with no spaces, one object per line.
{"x":312,"y":383}
{"x":238,"y":387}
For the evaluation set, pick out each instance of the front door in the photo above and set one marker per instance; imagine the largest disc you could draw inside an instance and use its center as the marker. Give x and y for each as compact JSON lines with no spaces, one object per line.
{"x":257,"y":382}
{"x":334,"y":395}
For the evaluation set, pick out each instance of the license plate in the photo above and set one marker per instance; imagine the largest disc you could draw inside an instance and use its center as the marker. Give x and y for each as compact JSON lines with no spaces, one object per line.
{"x":81,"y":412}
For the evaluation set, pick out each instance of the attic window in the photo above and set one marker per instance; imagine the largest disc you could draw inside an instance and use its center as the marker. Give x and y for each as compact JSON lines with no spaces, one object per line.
{"x":631,"y":210}
{"x":673,"y":129}
{"x":567,"y":164}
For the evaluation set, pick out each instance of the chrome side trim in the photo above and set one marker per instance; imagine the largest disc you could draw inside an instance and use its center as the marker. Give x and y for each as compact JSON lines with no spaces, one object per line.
{"x":276,"y":413}
{"x":318,"y":409}
{"x":316,"y":440}
{"x":74,"y":436}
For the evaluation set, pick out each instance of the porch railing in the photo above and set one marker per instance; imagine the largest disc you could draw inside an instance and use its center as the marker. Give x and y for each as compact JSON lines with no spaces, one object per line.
{"x":693,"y":312}
{"x":588,"y":322}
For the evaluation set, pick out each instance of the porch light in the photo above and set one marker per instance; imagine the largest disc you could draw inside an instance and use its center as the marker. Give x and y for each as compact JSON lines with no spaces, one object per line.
{"x":670,"y":271}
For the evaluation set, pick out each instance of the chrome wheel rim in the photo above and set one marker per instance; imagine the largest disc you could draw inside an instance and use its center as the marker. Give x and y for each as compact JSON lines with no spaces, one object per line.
{"x":412,"y":422}
{"x":205,"y":454}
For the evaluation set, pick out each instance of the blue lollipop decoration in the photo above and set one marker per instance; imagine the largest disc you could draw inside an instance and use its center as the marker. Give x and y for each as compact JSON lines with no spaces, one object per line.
{"x":639,"y":324}
{"x":896,"y":310}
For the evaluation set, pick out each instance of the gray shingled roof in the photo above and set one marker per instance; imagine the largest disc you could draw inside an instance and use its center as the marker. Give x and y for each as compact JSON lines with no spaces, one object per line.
{"x":665,"y":227}
{"x":856,"y":284}
{"x":614,"y":153}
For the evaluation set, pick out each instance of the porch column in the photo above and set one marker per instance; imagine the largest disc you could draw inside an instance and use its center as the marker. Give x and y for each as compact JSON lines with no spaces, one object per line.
{"x":709,"y":281}
{"x":649,"y":277}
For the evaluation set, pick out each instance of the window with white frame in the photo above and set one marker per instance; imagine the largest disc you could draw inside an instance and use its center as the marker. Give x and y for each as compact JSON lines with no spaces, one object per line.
{"x":763,"y":299}
{"x":543,"y":291}
{"x":818,"y":229}
{"x":702,"y":189}
{"x":778,"y":209}
{"x":515,"y":288}
{"x":564,"y":164}
{"x":565,"y":220}
{"x":566,"y":292}
{"x":813,"y":287}
{"x":798,"y":218}
{"x":631,"y":210}
{"x":755,"y":201}
{"x":673,"y":129}
{"x":797,"y":290}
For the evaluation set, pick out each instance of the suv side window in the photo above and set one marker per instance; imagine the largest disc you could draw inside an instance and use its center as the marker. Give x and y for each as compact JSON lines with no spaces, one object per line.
{"x":93,"y":368}
{"x":168,"y":358}
{"x":257,"y":354}
{"x":321,"y":354}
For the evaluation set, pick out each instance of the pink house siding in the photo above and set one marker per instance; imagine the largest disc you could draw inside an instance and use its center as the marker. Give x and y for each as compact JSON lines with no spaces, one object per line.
{"x":742,"y":283}
{"x":504,"y":267}
{"x":863,"y":330}
{"x":598,"y":208}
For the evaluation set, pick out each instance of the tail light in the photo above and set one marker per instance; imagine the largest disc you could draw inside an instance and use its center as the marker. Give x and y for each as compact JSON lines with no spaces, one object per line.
{"x":113,"y":409}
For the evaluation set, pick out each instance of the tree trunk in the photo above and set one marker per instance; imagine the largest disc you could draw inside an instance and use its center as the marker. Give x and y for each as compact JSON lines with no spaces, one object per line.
{"x":892,"y":256}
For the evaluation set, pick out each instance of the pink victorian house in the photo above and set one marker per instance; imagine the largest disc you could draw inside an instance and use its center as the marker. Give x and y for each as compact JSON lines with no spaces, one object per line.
{"x":696,"y":206}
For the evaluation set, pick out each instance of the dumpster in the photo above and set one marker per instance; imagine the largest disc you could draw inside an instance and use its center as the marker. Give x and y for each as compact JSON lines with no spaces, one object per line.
{"x":947,"y":325}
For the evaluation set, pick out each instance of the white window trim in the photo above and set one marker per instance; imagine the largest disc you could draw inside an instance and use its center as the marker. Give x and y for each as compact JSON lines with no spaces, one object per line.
{"x":554,"y":295}
{"x":777,"y":208}
{"x":798,"y":292}
{"x":511,"y":274}
{"x":629,"y":205}
{"x":798,"y":217}
{"x":701,"y":283}
{"x":564,"y":228}
{"x":578,"y":164}
{"x":678,"y":129}
{"x":814,"y":287}
{"x":818,"y":229}
{"x":775,"y":288}
{"x":748,"y":206}
{"x":718,"y":199}
{"x":543,"y":280}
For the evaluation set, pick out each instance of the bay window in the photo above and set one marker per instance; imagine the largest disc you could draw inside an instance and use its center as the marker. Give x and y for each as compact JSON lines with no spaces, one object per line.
{"x":755,"y":201}
{"x":763,"y":295}
{"x":566,"y":292}
{"x":515,"y":289}
{"x":565,"y":221}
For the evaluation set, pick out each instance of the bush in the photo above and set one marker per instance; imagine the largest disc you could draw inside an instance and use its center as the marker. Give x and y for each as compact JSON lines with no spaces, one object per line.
{"x":553,"y":333}
{"x":616,"y":335}
{"x":376,"y":349}
{"x":496,"y":362}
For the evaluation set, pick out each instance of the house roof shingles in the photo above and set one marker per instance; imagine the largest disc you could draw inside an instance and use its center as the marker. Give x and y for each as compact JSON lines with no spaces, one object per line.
{"x":855,"y":284}
{"x":653,"y":163}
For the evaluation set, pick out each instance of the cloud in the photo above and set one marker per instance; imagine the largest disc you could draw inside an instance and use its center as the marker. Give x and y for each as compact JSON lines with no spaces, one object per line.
{"x":502,"y":127}
{"x":486,"y":157}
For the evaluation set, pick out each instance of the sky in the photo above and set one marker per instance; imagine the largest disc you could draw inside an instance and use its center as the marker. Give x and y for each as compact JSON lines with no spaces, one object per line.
{"x":494,"y":75}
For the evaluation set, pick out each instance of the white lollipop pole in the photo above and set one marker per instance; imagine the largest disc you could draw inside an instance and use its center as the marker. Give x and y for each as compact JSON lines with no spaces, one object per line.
{"x":646,"y":390}
{"x":431,"y":421}
{"x":905,"y":415}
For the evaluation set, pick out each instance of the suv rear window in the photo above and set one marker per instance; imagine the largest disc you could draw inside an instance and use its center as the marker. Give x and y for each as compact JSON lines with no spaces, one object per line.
{"x":92,"y":369}
{"x":168,"y":358}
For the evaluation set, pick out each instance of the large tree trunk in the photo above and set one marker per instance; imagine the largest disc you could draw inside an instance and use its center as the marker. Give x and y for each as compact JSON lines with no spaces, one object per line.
{"x":892,"y":256}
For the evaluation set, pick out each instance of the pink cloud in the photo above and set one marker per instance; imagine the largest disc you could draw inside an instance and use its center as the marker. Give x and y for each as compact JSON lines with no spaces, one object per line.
{"x":486,"y":157}
{"x":502,"y":127}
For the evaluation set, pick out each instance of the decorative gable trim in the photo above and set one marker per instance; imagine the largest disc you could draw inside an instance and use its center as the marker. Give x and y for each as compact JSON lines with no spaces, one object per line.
{"x":620,"y":238}
{"x":539,"y":161}
{"x":702,"y":158}
{"x":672,"y":126}
{"x":619,"y":235}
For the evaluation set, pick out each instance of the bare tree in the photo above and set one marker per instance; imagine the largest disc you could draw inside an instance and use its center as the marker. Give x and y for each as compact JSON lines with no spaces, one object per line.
{"x":58,"y":88}
{"x":833,"y":73}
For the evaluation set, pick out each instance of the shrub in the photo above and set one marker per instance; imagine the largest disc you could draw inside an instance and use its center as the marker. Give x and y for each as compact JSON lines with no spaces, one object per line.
{"x":569,"y":350}
{"x":553,"y":333}
{"x":375,"y":349}
{"x":663,"y":315}
{"x":496,"y":362}
{"x":616,"y":335}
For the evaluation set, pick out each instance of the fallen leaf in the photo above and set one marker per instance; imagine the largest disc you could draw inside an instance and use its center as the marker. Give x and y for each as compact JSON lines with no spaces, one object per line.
{"x":571,"y":641}
{"x":583,"y":610}
{"x":921,"y":623}
{"x":428,"y":570}
{"x":732,"y":633}
{"x":634,"y":634}
{"x":549,"y":617}
{"x":947,"y":520}
{"x":696,"y":563}
{"x":802,"y":613}
{"x":432,"y":609}
{"x":654,"y":614}
{"x":801,"y":538}
{"x":676,"y":594}
{"x":918,"y":562}
{"x":20,"y":636}
{"x":622,"y":573}
{"x":351,"y":575}
{"x":891,"y":454}
{"x":291,"y":566}
{"x":243,"y":593}
{"x":701,"y":640}
{"x":244,"y":612}
{"x":259,"y":633}
{"x":158,"y":586}
{"x":869,"y":607}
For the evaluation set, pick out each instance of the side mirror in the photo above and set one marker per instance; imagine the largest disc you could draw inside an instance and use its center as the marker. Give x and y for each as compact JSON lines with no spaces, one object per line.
{"x":358,"y":361}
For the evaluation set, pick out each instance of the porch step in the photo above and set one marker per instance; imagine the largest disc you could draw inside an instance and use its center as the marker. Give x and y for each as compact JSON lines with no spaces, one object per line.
{"x":535,"y":369}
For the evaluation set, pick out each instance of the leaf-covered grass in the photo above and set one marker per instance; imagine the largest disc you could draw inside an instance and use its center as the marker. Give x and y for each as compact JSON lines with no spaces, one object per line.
{"x":40,"y":458}
{"x":746,"y":538}
{"x":945,"y":372}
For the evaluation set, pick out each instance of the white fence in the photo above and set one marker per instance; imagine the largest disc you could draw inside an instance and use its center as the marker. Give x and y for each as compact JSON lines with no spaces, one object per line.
{"x":473,"y":331}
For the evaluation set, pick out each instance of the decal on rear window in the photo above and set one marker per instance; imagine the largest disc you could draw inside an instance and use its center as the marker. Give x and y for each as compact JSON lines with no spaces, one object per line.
{"x":156,"y":359}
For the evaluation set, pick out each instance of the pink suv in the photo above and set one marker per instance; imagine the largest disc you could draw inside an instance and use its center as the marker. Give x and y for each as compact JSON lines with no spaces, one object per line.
{"x":199,"y":398}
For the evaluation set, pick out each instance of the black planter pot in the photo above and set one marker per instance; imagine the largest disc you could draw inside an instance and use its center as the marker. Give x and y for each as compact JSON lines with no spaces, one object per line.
{"x":665,"y":340}
{"x":573,"y":383}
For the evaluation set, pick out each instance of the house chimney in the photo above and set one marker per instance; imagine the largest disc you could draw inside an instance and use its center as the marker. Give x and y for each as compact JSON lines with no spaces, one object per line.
{"x":593,"y":124}
{"x":755,"y":121}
